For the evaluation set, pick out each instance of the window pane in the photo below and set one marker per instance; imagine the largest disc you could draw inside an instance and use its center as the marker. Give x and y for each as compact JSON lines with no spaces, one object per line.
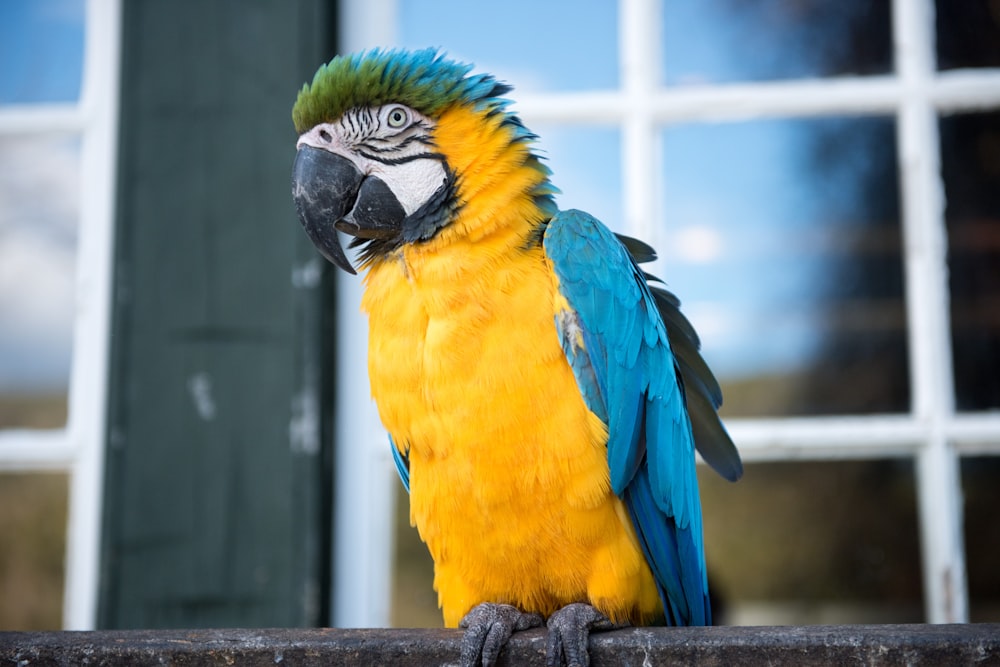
{"x":815,"y":542}
{"x":414,"y":602}
{"x":981,"y":492}
{"x":968,"y":33}
{"x":839,"y":544}
{"x":41,"y":48}
{"x":970,"y":162}
{"x":517,"y":43}
{"x":38,"y":214}
{"x":782,"y":240}
{"x":714,"y":41}
{"x":33,"y":523}
{"x":586,"y":167}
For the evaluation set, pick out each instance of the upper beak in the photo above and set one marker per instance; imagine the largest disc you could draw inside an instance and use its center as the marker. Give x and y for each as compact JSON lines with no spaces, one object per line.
{"x":331,"y":193}
{"x":324,"y":187}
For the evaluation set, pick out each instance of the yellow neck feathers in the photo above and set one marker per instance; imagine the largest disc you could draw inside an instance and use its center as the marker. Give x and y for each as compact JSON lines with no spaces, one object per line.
{"x":495,"y":179}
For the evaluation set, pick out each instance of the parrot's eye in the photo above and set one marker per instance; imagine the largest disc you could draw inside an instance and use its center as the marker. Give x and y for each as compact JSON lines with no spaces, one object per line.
{"x":397,"y":117}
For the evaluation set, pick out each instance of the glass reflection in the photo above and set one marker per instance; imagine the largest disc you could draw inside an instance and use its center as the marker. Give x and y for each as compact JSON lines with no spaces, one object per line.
{"x":38,"y":213}
{"x":519,"y":50}
{"x":41,"y":50}
{"x":715,"y":41}
{"x":839,"y":544}
{"x":970,"y":164}
{"x":782,"y":240}
{"x":968,"y":34}
{"x":414,"y":602}
{"x":33,"y":518}
{"x":981,"y":496}
{"x":586,"y":167}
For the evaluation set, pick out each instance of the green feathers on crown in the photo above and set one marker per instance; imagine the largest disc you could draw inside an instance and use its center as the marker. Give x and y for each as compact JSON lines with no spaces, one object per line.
{"x":424,"y":80}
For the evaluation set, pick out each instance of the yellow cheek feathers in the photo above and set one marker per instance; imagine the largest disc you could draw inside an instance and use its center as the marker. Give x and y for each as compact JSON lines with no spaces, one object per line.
{"x":495,"y":175}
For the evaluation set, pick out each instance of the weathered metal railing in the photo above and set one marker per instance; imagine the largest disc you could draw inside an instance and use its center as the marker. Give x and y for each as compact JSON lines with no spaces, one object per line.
{"x":973,"y":644}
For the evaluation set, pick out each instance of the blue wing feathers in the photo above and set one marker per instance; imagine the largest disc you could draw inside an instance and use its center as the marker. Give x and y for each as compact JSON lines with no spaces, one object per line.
{"x":629,"y":377}
{"x":659,"y":547}
{"x":589,"y":371}
{"x":683,"y":593}
{"x":402,"y":464}
{"x":704,"y":397}
{"x":624,"y":452}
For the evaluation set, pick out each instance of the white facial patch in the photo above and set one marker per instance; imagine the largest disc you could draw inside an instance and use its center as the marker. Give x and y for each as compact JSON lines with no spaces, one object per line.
{"x":414,"y":182}
{"x":402,"y":157}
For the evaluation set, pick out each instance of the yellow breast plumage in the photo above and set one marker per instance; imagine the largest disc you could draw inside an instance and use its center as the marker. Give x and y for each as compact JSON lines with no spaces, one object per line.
{"x":508,"y":468}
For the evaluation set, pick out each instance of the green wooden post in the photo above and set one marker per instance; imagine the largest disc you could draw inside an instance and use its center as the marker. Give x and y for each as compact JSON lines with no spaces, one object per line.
{"x":217,"y":503}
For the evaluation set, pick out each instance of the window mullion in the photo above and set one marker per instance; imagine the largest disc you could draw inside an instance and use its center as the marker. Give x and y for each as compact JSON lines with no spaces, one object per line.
{"x":964,"y":90}
{"x":27,"y":119}
{"x":938,"y":483}
{"x":86,"y":426}
{"x":24,"y":450}
{"x":638,"y":53}
{"x":975,"y":434}
{"x":811,"y":438}
{"x":364,"y":483}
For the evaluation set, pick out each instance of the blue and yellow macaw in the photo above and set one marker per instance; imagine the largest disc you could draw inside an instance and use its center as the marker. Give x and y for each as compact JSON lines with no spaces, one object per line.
{"x":543,"y":397}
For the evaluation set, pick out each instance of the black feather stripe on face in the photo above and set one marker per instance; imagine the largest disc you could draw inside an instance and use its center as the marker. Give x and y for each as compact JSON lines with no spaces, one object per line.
{"x":421,"y":225}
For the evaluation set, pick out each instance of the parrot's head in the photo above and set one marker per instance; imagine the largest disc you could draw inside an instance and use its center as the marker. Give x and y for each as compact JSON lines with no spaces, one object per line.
{"x":394,"y":146}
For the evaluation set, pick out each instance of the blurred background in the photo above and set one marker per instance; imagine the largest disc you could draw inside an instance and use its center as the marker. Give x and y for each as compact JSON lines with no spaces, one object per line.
{"x":185,"y":434}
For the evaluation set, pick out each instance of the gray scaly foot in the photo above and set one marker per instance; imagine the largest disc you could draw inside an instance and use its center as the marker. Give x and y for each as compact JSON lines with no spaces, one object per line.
{"x":487,"y":628}
{"x":569,"y":633}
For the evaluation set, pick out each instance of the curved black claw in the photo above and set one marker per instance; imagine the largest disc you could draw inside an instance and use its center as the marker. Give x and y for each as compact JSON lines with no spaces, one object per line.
{"x":487,"y":628}
{"x":569,"y":632}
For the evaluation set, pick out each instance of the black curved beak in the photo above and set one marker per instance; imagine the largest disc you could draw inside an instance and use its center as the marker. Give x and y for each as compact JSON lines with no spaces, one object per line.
{"x":331,"y":193}
{"x":324,"y":187}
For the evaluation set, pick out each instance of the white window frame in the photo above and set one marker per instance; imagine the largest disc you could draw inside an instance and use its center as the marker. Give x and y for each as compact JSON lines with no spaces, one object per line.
{"x":933,"y":433}
{"x":78,"y":448}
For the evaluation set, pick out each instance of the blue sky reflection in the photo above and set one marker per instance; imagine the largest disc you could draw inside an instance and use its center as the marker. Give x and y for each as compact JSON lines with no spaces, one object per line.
{"x":41,"y":60}
{"x":41,"y":50}
{"x":787,"y":220}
